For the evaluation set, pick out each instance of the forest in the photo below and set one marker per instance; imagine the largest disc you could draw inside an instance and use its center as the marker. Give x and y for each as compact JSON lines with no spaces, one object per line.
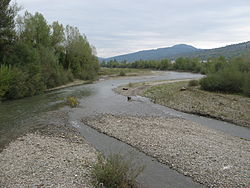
{"x":36,"y":55}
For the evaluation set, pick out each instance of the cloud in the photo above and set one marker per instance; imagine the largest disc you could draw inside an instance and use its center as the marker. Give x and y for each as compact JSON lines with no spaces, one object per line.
{"x":117,"y":27}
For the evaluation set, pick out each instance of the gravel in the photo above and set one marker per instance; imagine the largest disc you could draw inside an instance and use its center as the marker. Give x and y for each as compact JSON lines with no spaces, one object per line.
{"x":55,"y":156}
{"x":226,"y":107}
{"x":210,"y":157}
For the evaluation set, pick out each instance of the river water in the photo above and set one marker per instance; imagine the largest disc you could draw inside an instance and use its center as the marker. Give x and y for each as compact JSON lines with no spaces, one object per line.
{"x":20,"y":116}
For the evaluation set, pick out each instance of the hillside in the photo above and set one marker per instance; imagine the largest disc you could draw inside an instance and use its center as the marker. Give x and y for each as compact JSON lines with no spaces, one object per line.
{"x":183,"y":50}
{"x":227,"y":51}
{"x":156,"y":54}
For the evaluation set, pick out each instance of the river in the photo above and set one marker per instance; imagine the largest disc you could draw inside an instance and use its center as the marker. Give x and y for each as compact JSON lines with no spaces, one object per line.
{"x":20,"y":116}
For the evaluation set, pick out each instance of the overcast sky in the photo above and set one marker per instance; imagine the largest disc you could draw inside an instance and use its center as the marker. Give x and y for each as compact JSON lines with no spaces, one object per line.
{"x":117,"y":27}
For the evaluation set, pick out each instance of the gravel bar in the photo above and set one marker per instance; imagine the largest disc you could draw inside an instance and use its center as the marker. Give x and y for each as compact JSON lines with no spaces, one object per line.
{"x":210,"y":157}
{"x":52,"y":157}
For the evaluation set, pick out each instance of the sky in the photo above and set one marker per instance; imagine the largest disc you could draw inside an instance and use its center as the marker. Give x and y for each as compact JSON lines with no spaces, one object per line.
{"x":118,"y":27}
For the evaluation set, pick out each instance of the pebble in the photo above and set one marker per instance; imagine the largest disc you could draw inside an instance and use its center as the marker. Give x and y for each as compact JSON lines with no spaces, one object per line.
{"x":210,"y":157}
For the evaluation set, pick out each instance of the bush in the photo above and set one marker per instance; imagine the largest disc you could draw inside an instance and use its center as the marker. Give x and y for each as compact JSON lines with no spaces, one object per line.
{"x":5,"y":79}
{"x":122,"y":73}
{"x":116,"y":172}
{"x":229,"y":81}
{"x":193,"y":83}
{"x":18,"y":85}
{"x":246,"y":85}
{"x":72,"y":101}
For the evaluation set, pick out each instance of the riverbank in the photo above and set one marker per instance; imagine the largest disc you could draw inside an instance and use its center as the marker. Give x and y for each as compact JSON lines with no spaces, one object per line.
{"x":53,"y":156}
{"x":226,"y":107}
{"x":74,"y":83}
{"x":107,"y":73}
{"x":210,"y":157}
{"x":120,"y":72}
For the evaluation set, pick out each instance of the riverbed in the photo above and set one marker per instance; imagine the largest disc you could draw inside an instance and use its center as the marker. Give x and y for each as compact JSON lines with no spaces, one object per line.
{"x":21,"y":116}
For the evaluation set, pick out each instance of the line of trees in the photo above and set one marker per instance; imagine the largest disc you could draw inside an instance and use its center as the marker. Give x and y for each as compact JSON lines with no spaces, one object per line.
{"x":181,"y":64}
{"x":223,"y":75}
{"x":35,"y":55}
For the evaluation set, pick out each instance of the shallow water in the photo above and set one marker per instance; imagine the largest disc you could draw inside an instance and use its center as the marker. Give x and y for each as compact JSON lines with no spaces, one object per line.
{"x":19,"y":116}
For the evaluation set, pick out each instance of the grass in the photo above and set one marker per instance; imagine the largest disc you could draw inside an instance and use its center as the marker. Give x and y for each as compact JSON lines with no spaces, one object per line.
{"x":228,"y":107}
{"x":122,"y":71}
{"x":116,"y":172}
{"x":193,"y":83}
{"x":72,"y":101}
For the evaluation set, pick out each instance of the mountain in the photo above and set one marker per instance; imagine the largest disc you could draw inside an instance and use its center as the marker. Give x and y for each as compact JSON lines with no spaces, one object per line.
{"x":227,"y":51}
{"x":183,"y":50}
{"x":156,"y":54}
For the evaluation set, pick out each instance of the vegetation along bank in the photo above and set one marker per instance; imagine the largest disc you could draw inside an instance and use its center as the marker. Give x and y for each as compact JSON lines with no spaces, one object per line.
{"x":223,"y":75}
{"x":36,"y":56}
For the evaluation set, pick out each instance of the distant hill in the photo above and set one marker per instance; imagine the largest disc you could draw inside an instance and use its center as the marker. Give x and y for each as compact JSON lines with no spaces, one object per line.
{"x":183,"y":50}
{"x":155,"y":54}
{"x":227,"y":51}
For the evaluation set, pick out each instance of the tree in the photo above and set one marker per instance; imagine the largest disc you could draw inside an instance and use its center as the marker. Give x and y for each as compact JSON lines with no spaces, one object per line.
{"x":7,"y":27}
{"x":79,"y":55}
{"x":34,"y":30}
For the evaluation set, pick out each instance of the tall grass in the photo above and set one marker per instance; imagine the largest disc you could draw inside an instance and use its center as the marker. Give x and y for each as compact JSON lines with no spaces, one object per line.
{"x":116,"y":172}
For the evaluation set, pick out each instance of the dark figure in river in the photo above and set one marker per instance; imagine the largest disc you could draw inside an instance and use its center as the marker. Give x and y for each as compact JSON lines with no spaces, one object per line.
{"x":129,"y":98}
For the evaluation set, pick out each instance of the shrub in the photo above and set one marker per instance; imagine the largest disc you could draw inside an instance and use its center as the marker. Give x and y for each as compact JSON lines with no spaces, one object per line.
{"x":246,"y":85}
{"x":122,"y":73}
{"x":72,"y":101}
{"x":229,"y":81}
{"x":5,"y":79}
{"x":192,"y":83}
{"x":18,"y":86}
{"x":116,"y":172}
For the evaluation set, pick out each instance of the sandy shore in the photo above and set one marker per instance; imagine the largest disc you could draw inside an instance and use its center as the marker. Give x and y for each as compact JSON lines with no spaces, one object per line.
{"x":55,"y":156}
{"x":210,"y":157}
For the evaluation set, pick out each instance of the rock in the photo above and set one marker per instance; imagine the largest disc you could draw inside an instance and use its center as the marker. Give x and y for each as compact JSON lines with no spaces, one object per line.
{"x":125,"y":88}
{"x":183,"y":89}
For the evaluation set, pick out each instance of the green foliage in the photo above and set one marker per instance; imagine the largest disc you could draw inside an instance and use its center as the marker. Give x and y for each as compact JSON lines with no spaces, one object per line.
{"x":182,"y":64}
{"x":246,"y":85}
{"x":79,"y":55}
{"x":122,"y":73}
{"x":41,"y":56}
{"x":72,"y":101}
{"x":5,"y":79}
{"x":34,"y":30}
{"x":116,"y":172}
{"x":228,"y":76}
{"x":164,"y":64}
{"x":193,"y":83}
{"x":7,"y":27}
{"x":18,"y":85}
